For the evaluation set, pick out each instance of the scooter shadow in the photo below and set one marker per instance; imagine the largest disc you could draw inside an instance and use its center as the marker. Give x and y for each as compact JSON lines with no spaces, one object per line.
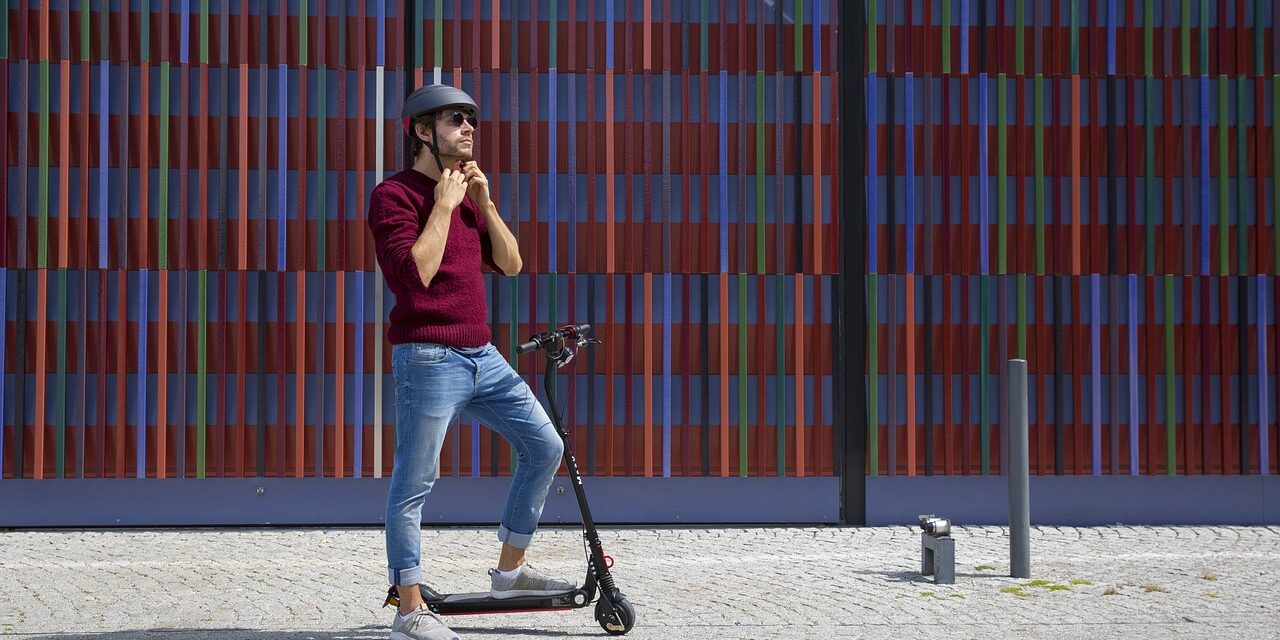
{"x":362,"y":633}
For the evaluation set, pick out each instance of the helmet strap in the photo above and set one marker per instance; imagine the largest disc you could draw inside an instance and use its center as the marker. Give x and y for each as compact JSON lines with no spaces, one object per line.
{"x":435,"y":149}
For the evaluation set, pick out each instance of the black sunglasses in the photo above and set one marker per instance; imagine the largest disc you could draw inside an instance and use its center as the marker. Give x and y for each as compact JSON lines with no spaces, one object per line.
{"x":456,"y":118}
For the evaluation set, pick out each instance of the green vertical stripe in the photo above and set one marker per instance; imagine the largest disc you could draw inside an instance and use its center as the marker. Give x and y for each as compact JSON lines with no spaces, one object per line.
{"x":144,"y":38}
{"x":84,"y":30}
{"x":1002,"y":169}
{"x":1242,"y":177}
{"x":873,"y":378}
{"x":983,"y":352}
{"x":1170,"y":430}
{"x":702,"y":35}
{"x":1019,"y":19}
{"x":872,"y":40}
{"x":204,"y":31}
{"x":4,"y":33}
{"x":946,"y":36}
{"x":742,"y":374}
{"x":162,"y":229}
{"x":552,"y":27}
{"x":1150,"y":187}
{"x":1022,"y":316}
{"x":202,"y":305}
{"x":1039,"y":134}
{"x":417,"y":35}
{"x":321,"y":165}
{"x":1186,"y":37}
{"x":1224,"y":142}
{"x":1075,"y":36}
{"x":60,"y":394}
{"x":760,"y":258}
{"x":42,"y":248}
{"x":781,"y":392}
{"x":439,"y":48}
{"x":302,"y":33}
{"x":799,"y":37}
{"x":1148,"y":33}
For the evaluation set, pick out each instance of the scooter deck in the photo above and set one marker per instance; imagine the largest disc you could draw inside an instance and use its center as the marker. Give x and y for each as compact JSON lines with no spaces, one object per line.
{"x":473,"y":603}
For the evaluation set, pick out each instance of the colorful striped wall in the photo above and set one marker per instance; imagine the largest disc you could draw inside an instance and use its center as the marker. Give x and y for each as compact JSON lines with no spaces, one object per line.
{"x":1089,"y":185}
{"x":187,"y":283}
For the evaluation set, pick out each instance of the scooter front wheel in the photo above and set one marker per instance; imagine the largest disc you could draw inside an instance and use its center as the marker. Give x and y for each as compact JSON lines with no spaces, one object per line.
{"x":616,"y":619}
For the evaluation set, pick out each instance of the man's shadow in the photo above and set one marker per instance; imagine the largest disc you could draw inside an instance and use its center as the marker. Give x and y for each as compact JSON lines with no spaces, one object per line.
{"x":371,"y":632}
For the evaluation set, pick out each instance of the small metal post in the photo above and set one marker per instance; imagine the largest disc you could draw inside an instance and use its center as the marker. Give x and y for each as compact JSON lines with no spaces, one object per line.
{"x":1019,"y":472}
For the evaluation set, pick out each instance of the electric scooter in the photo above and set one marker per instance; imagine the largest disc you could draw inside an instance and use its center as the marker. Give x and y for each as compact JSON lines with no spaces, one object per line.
{"x":615,"y":615}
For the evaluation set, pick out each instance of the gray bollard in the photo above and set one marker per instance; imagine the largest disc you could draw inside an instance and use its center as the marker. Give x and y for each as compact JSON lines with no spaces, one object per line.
{"x":1018,"y":471}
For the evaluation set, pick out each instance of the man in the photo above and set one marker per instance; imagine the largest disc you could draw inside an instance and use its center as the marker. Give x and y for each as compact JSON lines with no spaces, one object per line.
{"x":433,"y":226}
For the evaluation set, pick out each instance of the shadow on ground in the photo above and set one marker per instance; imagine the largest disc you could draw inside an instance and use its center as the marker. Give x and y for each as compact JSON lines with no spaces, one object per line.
{"x":362,"y":633}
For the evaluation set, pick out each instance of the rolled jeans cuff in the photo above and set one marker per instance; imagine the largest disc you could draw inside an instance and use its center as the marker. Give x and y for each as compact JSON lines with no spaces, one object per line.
{"x":411,"y":575}
{"x":518,"y":540}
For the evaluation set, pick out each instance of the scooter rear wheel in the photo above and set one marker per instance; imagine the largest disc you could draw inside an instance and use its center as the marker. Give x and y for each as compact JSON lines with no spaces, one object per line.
{"x":615,"y":620}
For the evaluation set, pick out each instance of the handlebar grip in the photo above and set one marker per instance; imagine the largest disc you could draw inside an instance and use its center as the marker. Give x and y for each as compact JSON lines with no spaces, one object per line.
{"x":526,"y":347}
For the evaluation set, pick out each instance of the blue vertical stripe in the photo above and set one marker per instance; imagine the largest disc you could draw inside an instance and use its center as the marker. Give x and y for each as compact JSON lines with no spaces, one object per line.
{"x":964,"y":37}
{"x":104,"y":126}
{"x":573,"y":174}
{"x":1204,"y":175}
{"x":1134,"y":400}
{"x":1095,"y":339}
{"x":666,"y":375}
{"x":551,"y":169}
{"x":1111,"y":37}
{"x":609,"y":26}
{"x":184,"y":29}
{"x":282,"y":171}
{"x":1264,"y":396}
{"x":358,"y":377}
{"x":141,"y":409}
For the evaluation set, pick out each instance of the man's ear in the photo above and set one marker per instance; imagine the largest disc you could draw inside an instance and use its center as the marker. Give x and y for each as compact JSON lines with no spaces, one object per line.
{"x":423,"y":132}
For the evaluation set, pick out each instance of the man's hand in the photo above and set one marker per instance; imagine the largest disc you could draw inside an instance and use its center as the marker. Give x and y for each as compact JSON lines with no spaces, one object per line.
{"x":451,"y":188}
{"x":477,"y":184}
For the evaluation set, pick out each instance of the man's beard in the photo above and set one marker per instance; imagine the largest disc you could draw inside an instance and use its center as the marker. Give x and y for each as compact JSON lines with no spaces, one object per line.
{"x":457,"y":151}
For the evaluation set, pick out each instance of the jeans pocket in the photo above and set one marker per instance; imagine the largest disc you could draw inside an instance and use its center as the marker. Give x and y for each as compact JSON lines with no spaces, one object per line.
{"x":427,"y":353}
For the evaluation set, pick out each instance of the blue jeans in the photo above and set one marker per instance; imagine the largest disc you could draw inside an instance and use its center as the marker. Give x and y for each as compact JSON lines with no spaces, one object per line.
{"x":434,"y":384}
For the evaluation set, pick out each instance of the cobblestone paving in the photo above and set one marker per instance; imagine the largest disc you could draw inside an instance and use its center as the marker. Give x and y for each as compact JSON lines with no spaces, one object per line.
{"x":686,"y":583}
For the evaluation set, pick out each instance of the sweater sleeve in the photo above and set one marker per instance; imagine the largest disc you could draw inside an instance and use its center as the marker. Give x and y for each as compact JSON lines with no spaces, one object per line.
{"x":486,"y":243}
{"x":394,"y":224}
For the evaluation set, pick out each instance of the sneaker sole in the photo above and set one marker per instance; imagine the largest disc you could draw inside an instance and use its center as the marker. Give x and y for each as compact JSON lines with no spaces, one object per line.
{"x":516,"y":593}
{"x":396,"y":635}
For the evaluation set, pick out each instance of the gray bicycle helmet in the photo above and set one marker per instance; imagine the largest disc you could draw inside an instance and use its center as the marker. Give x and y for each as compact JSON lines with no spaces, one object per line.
{"x":429,"y":99}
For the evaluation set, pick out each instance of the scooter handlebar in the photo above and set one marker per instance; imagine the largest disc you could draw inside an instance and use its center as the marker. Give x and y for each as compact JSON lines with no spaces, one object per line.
{"x":544,"y":340}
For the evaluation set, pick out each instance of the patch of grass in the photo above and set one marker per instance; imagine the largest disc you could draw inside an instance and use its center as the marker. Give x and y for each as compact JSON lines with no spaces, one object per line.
{"x":1081,"y":581}
{"x":1059,"y":587}
{"x":1210,"y":595}
{"x":961,"y":596}
{"x":1039,"y":583}
{"x":1154,"y":588}
{"x":1017,"y":591}
{"x":984,"y":567}
{"x":926,"y":594}
{"x":1208,"y":574}
{"x":1111,"y":590}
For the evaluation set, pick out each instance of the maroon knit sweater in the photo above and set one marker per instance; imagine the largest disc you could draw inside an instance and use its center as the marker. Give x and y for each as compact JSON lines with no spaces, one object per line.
{"x":453,"y":311}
